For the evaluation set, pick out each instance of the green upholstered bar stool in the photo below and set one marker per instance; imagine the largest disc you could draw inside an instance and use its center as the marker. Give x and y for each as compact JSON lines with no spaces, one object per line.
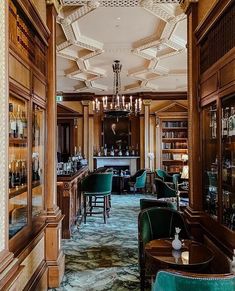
{"x":97,"y":185}
{"x":170,"y":280}
{"x":156,"y":223}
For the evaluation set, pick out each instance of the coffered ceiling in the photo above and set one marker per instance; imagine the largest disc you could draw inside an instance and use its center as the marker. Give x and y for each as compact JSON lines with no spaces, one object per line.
{"x":148,"y":37}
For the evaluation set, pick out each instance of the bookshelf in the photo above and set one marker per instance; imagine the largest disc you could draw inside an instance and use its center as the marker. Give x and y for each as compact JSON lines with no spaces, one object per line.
{"x":172,"y":138}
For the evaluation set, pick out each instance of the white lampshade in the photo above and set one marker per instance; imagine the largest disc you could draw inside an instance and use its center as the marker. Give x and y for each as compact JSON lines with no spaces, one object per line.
{"x":184,"y":174}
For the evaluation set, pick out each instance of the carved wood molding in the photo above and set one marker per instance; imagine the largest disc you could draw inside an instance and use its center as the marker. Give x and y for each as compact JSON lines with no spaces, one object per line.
{"x":185,"y":4}
{"x":3,"y":123}
{"x":33,"y":16}
{"x":56,"y":3}
{"x":143,"y":95}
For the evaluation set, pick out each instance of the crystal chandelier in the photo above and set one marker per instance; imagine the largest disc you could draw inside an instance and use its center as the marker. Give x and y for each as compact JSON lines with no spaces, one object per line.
{"x":119,"y":105}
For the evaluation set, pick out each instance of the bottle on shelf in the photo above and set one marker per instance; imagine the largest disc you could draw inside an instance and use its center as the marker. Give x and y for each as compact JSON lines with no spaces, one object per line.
{"x":231,"y":122}
{"x":20,"y":123}
{"x":112,"y":151}
{"x":133,"y":151}
{"x":225,"y":115}
{"x":127,"y":151}
{"x":120,"y":151}
{"x":105,"y":150}
{"x":12,"y":121}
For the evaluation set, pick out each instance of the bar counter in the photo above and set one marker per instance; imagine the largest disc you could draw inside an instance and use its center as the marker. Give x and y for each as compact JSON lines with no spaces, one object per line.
{"x":70,"y":200}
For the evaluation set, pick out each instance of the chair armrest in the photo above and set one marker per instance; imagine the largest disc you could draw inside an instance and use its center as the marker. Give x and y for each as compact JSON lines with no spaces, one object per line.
{"x":170,"y":184}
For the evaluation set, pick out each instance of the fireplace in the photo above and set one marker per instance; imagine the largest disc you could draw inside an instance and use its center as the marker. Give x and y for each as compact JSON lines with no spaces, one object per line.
{"x":116,"y":162}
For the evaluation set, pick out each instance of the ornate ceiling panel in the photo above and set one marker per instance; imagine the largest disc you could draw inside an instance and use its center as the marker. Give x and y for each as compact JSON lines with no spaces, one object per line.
{"x":147,"y":36}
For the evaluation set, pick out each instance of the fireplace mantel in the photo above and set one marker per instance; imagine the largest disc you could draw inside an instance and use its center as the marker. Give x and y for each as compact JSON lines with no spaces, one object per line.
{"x":130,"y":161}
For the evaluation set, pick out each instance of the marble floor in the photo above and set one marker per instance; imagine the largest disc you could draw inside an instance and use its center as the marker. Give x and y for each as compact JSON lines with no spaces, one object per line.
{"x":105,"y":256}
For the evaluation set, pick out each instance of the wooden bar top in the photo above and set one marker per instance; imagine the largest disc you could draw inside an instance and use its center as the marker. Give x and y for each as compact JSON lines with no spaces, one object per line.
{"x":69,"y":178}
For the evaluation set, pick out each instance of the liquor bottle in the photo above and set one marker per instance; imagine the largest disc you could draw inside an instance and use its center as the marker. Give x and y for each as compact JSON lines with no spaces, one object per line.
{"x":127,"y":151}
{"x":105,"y":150}
{"x":231,"y":122}
{"x":24,"y":122}
{"x":12,"y":122}
{"x":225,"y":115}
{"x":19,"y":125}
{"x":213,"y":124}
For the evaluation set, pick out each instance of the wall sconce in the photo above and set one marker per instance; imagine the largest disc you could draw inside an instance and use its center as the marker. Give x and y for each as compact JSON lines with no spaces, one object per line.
{"x":75,"y":123}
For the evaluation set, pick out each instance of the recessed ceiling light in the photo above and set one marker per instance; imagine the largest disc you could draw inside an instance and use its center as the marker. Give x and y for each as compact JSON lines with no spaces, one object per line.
{"x":118,"y":18}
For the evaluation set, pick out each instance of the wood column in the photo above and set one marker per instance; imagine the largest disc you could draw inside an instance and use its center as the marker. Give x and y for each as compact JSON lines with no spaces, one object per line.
{"x":9,"y":266}
{"x":91,"y":142}
{"x":54,"y":254}
{"x":146,"y":104}
{"x":194,"y":211}
{"x":85,"y":105}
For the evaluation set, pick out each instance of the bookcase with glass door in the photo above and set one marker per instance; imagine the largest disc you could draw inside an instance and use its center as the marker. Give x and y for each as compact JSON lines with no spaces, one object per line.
{"x":218,"y":149}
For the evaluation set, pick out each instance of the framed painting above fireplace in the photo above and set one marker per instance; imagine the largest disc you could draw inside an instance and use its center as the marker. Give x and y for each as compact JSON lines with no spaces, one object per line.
{"x":116,"y":132}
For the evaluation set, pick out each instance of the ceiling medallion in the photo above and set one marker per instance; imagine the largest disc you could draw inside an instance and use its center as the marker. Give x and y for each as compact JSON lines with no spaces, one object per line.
{"x":118,"y":106}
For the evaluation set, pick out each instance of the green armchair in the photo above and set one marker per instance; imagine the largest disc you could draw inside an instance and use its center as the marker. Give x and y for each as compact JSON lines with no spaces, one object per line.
{"x":97,"y":185}
{"x":148,"y":203}
{"x":163,"y":190}
{"x":138,"y":180}
{"x":173,"y":281}
{"x":155,"y":223}
{"x":164,"y":176}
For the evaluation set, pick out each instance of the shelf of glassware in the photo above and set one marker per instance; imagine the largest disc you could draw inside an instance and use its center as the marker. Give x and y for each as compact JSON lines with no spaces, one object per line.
{"x":228,"y":162}
{"x":18,"y":165}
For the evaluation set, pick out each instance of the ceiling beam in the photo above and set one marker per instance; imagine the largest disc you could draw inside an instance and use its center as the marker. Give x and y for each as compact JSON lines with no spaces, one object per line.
{"x":144,"y":95}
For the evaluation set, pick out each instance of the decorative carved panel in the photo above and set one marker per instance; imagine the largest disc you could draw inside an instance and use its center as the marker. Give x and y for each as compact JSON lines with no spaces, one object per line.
{"x":24,"y":38}
{"x":219,"y":40}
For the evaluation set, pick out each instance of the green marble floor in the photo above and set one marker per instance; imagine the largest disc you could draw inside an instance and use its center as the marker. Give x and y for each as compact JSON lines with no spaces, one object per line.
{"x":105,"y":256}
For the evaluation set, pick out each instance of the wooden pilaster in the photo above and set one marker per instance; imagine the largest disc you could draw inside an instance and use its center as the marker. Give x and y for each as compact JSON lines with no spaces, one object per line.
{"x":9,"y":266}
{"x":54,"y":254}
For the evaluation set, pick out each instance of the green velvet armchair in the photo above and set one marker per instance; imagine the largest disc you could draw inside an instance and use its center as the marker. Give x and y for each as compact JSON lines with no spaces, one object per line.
{"x":164,"y":176}
{"x":173,"y":281}
{"x":148,"y":203}
{"x":138,"y":180}
{"x":156,"y":223}
{"x":163,"y":190}
{"x":97,"y":185}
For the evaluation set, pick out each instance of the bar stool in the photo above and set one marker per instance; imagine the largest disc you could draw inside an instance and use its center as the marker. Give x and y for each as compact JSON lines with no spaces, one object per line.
{"x":97,"y":185}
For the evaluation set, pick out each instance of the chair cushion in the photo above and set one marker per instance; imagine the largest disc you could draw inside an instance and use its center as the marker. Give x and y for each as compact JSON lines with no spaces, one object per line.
{"x":169,"y":281}
{"x":147,"y":203}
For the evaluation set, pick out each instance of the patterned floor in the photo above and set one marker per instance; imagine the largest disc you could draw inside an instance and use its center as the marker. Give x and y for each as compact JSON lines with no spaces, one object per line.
{"x":105,"y":257}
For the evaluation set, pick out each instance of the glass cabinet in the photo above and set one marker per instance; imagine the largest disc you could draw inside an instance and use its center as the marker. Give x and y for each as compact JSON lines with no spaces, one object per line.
{"x":26,"y":147}
{"x":228,"y":161}
{"x":37,"y":160}
{"x":218,"y":147}
{"x":18,"y":165}
{"x":210,"y":159}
